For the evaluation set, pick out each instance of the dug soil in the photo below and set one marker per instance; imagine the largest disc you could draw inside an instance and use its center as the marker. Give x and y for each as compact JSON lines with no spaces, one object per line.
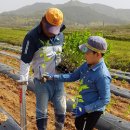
{"x":9,"y":100}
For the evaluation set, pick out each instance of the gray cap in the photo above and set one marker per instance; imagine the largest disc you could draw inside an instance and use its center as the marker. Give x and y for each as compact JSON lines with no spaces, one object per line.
{"x":95,"y":43}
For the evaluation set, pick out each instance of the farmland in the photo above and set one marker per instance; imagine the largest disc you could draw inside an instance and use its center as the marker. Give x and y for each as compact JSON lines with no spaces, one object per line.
{"x":117,"y":57}
{"x":119,"y":48}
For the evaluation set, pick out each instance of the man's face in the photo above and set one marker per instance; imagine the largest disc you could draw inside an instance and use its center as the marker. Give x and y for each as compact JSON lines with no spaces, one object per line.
{"x":47,"y":33}
{"x":91,"y":57}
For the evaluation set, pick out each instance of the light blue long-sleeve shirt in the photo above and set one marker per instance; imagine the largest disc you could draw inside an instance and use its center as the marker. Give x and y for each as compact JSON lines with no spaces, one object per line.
{"x":97,"y":79}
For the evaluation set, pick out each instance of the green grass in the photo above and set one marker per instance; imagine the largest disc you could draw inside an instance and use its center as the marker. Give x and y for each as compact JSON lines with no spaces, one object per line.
{"x":119,"y":57}
{"x":12,"y":36}
{"x":121,"y":33}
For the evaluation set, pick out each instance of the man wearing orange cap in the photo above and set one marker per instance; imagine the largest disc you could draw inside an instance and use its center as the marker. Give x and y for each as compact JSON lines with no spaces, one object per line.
{"x":42,"y":47}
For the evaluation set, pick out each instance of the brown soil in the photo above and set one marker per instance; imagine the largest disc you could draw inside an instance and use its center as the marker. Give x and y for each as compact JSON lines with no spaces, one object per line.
{"x":11,"y":52}
{"x":118,"y":106}
{"x":9,"y":61}
{"x":121,"y":84}
{"x":12,"y":62}
{"x":3,"y":118}
{"x":9,"y":100}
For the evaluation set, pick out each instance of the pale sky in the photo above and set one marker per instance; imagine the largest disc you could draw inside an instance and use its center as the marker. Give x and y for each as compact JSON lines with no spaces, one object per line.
{"x":7,"y":5}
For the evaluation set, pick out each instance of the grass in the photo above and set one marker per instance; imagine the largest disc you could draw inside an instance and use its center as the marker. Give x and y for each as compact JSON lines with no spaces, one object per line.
{"x":121,"y":33}
{"x":119,"y":55}
{"x":12,"y":36}
{"x":120,"y":50}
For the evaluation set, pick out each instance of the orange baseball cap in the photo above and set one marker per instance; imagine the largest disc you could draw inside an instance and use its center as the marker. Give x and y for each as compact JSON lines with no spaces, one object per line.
{"x":54,"y":18}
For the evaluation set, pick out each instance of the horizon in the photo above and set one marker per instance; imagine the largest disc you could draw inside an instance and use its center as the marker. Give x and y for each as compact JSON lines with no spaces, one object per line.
{"x":14,"y":5}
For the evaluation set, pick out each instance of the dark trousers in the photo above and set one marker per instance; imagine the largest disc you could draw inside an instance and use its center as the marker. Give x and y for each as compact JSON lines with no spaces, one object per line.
{"x":87,"y":121}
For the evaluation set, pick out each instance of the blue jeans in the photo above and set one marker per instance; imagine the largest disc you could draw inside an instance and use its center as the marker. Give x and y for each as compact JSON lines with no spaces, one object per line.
{"x":50,"y":91}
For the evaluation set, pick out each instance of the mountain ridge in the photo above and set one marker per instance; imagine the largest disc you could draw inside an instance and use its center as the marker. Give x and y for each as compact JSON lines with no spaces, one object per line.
{"x":75,"y":13}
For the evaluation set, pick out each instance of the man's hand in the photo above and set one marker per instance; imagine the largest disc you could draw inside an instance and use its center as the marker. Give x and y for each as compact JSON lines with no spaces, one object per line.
{"x":21,"y":83}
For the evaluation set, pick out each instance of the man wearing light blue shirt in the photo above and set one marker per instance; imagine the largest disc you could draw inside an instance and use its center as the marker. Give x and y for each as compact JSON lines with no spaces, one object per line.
{"x":94,"y":90}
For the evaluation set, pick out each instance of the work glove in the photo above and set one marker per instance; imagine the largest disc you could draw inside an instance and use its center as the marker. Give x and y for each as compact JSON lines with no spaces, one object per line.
{"x":21,"y":84}
{"x":22,"y":80}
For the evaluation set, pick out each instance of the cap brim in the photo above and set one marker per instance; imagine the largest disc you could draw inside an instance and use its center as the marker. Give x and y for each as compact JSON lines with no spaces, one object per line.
{"x":83,"y":48}
{"x":53,"y":29}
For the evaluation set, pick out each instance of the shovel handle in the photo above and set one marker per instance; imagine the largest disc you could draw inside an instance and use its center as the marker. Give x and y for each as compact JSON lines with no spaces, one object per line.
{"x":23,"y":122}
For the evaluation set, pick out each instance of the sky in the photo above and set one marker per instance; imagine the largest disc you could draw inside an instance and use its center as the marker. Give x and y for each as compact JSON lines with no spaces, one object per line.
{"x":7,"y":5}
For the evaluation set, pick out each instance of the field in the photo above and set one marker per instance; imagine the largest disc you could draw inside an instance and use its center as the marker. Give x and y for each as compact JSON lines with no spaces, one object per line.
{"x":117,"y":57}
{"x":118,"y":106}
